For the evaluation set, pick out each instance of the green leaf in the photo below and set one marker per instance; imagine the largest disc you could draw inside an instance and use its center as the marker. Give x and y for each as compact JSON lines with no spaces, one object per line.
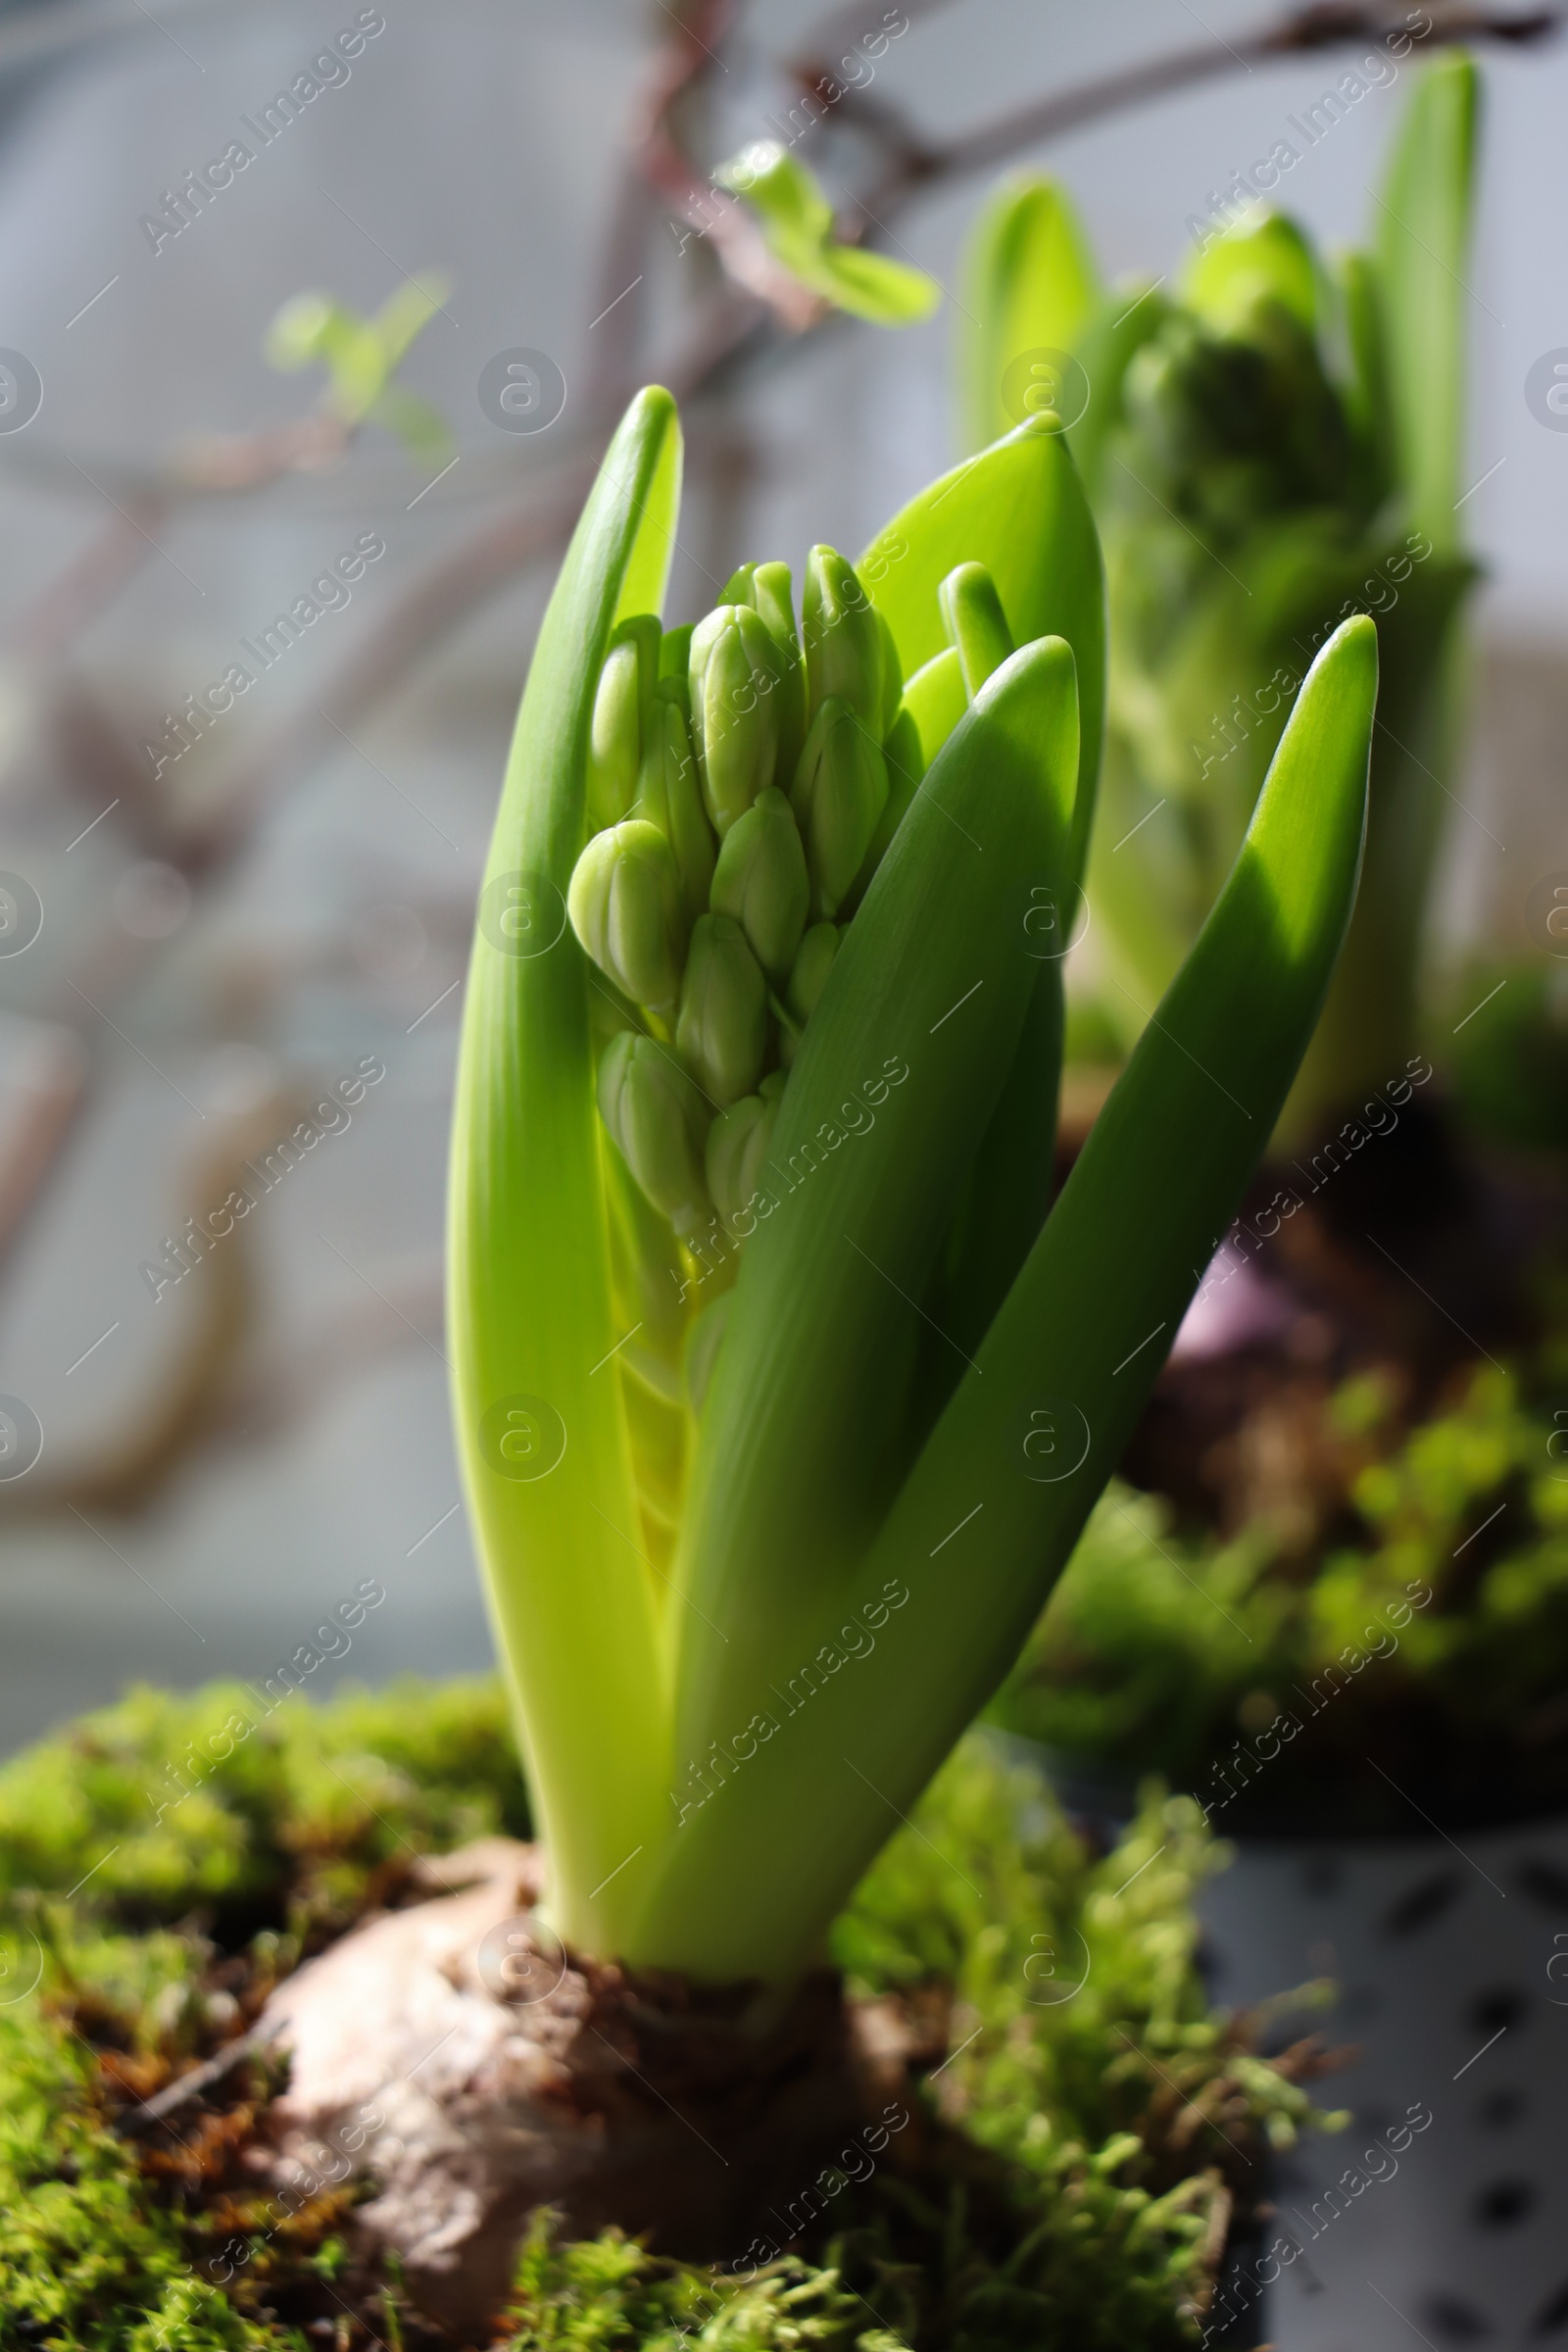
{"x":788,"y":200}
{"x":871,"y":286}
{"x":1423,"y":261}
{"x":930,"y":1622}
{"x":362,"y":356}
{"x":1127,"y":320}
{"x":299,"y":329}
{"x":1255,"y":262}
{"x":897,"y":1073}
{"x":935,"y":700}
{"x":797,"y":224}
{"x":1372,"y":1019}
{"x":1367,"y":396}
{"x":417,"y":424}
{"x":1019,"y":510}
{"x":406,"y":312}
{"x":551,"y":1492}
{"x":1031,"y":283}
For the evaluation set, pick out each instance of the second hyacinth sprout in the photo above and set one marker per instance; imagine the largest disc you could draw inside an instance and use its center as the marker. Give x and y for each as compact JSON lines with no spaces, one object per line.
{"x":744,"y":780}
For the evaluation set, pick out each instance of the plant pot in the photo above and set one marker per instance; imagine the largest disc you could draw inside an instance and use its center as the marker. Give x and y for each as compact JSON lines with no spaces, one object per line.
{"x":1447,"y":2228}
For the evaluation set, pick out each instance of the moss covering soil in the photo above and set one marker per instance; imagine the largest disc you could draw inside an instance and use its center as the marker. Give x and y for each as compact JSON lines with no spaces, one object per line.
{"x":1429,"y":1630}
{"x":1094,"y":2133}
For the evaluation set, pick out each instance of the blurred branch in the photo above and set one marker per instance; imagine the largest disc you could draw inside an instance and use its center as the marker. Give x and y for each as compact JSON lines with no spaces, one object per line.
{"x":755,"y":293}
{"x":663,"y":158}
{"x":89,"y":583}
{"x":424,"y":615}
{"x":751,"y":305}
{"x":915,"y":162}
{"x":134,"y":1466}
{"x":754,"y":290}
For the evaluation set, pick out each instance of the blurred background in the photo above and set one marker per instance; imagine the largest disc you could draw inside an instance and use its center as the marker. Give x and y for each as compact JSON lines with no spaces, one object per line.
{"x":198,"y":946}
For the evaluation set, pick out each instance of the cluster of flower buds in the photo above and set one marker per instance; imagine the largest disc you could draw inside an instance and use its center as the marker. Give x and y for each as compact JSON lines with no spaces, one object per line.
{"x":744,"y":780}
{"x":1258,"y":394}
{"x":1239,"y":426}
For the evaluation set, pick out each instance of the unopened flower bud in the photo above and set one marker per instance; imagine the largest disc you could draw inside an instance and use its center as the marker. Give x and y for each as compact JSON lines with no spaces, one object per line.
{"x":891,"y":676}
{"x":722,"y":1025}
{"x":976,"y":625}
{"x":734,"y":678}
{"x":761,"y":879}
{"x":773,"y":594}
{"x":625,"y":905}
{"x":619,"y":717}
{"x":812,"y":967}
{"x":846,"y":642}
{"x":738,"y":1144}
{"x":670,"y":796}
{"x":674,"y":657}
{"x":841,"y":788}
{"x":659,"y":1124}
{"x":905,"y":765}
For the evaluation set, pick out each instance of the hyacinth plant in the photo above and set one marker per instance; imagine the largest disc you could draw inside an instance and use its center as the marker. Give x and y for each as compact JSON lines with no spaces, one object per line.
{"x":1276,"y":443}
{"x":782,"y":1398}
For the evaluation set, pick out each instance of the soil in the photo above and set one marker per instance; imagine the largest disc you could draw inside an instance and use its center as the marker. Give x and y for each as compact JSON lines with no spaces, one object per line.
{"x":1412,"y":1259}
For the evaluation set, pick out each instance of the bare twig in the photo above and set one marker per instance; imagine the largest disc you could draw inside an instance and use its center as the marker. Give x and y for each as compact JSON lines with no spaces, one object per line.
{"x":166,"y":1428}
{"x":915,"y":162}
{"x":753,"y":304}
{"x":739,"y":315}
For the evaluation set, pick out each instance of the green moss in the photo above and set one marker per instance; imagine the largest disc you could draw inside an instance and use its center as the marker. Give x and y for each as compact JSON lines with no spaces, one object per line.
{"x":89,"y":2256}
{"x":1507,"y":1058}
{"x":253,"y":1808}
{"x":1446,"y":1614}
{"x":1085,"y":2125}
{"x":606,"y":2295}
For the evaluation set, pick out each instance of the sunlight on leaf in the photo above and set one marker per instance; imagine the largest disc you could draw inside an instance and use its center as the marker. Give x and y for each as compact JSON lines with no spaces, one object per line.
{"x":797,"y":222}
